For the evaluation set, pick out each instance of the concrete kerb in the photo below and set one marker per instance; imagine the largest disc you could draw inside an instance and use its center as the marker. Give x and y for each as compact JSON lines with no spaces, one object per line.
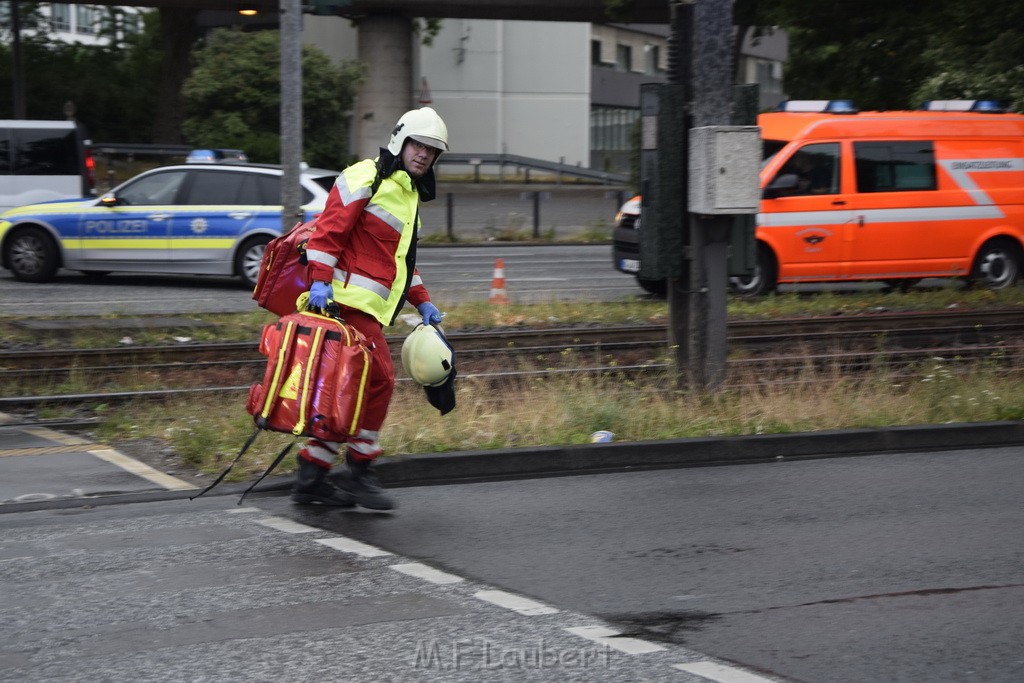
{"x":546,"y":461}
{"x":553,"y":461}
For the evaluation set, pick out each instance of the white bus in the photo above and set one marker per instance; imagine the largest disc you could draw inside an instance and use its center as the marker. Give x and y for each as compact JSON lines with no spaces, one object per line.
{"x":43,"y":160}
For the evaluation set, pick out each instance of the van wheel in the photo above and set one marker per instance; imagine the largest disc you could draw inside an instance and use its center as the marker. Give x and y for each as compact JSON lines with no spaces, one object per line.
{"x":656,"y":287}
{"x":997,"y":265}
{"x":762,"y":280}
{"x":249,"y":257}
{"x":32,"y":255}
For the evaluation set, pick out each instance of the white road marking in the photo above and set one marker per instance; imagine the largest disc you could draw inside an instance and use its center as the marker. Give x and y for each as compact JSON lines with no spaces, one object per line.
{"x":347,"y":545}
{"x":248,"y":508}
{"x":422,"y":571}
{"x":141,"y":469}
{"x":606,"y":636}
{"x":286,"y":525}
{"x":721,"y":673}
{"x":516,"y":603}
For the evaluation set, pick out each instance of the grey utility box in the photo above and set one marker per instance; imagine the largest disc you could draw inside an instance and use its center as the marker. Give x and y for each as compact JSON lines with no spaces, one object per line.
{"x":724,"y":170}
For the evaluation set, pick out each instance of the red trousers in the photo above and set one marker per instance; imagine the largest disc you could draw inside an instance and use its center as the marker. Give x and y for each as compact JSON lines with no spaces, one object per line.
{"x":381,"y":385}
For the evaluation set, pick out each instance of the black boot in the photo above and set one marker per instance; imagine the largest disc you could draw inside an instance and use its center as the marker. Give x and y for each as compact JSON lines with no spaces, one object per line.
{"x":363,"y":486}
{"x":313,"y":486}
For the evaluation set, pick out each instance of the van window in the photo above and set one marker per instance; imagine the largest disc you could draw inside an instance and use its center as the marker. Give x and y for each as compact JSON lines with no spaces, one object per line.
{"x":895,"y":166}
{"x":816,"y":168}
{"x":38,"y":151}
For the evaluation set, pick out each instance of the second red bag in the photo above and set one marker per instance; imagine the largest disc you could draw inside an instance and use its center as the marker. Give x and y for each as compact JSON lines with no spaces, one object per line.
{"x":283,"y":270}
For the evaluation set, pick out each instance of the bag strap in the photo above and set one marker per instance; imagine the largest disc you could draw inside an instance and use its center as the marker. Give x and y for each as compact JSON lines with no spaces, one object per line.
{"x":275,"y":463}
{"x":245,"y":447}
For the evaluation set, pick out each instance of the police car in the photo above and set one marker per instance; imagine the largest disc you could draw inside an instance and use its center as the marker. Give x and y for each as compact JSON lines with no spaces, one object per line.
{"x":195,"y":218}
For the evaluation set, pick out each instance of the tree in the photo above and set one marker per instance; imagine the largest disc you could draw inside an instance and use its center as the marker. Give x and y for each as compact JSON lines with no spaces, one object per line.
{"x":111,"y":86}
{"x":892,"y":55}
{"x":232,"y":98}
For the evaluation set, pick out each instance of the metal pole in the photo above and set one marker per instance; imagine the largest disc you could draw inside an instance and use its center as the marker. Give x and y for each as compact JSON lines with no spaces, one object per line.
{"x":451,"y":218}
{"x":18,"y":80}
{"x":712,"y":76}
{"x":291,"y":111}
{"x":680,"y":59}
{"x":536,"y":213}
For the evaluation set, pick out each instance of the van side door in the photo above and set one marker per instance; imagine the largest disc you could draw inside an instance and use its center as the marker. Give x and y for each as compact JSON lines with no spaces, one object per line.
{"x":905,"y":225}
{"x":804,"y":214}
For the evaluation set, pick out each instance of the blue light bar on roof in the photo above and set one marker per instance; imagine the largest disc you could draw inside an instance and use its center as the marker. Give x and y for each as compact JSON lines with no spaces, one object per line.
{"x":986,"y":106}
{"x":818,"y":106}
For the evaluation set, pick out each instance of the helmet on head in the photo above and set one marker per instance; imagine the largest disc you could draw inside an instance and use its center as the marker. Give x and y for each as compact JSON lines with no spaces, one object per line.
{"x":422,"y":125}
{"x":427,"y":356}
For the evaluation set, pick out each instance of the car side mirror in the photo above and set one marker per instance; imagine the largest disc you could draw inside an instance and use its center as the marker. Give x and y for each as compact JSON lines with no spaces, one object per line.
{"x":781,"y":185}
{"x":109,"y":200}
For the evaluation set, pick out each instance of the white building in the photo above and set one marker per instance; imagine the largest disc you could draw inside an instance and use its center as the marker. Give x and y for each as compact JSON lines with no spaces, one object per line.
{"x":86,"y":24}
{"x":557,"y":91}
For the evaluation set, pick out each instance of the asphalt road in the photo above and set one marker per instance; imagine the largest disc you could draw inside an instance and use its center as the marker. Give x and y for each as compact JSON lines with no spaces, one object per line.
{"x":886,"y":568}
{"x":456,"y":274}
{"x":890,"y":567}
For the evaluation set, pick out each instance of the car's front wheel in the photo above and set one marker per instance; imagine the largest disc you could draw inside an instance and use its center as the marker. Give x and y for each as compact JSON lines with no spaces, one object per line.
{"x":249,"y":258}
{"x":32,"y":255}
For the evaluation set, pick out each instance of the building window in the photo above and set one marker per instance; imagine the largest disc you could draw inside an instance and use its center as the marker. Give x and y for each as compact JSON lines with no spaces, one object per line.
{"x":623,"y":58}
{"x":60,"y":16}
{"x":595,"y":53}
{"x":86,"y":19}
{"x":611,"y":128}
{"x":652,"y":60}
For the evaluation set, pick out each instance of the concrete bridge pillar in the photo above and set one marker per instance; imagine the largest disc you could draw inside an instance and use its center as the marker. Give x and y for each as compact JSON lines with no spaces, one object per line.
{"x":385,"y":48}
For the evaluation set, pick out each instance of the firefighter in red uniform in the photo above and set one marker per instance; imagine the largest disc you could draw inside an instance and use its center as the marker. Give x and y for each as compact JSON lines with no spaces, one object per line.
{"x":362,"y":255}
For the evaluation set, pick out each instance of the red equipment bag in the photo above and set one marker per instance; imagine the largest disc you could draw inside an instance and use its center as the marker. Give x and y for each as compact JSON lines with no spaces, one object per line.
{"x":282,"y":275}
{"x":316,"y":376}
{"x":318,"y":367}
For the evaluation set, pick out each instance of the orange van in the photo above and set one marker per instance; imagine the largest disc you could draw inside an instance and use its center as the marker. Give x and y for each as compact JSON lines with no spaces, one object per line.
{"x":892,"y":196}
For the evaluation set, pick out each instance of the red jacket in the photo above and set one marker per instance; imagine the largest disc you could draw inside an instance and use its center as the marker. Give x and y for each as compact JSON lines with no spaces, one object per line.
{"x":365,"y":246}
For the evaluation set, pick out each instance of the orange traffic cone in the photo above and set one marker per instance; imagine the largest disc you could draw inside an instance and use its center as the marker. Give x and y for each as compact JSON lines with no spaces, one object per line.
{"x":498,"y":294}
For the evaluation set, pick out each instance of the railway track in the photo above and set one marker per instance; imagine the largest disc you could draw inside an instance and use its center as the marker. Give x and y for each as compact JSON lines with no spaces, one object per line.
{"x":777,"y":348}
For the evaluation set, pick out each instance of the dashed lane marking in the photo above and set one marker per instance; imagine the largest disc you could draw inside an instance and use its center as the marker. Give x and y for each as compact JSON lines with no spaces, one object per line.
{"x":286,"y":525}
{"x":606,"y":636}
{"x":721,"y":673}
{"x":426,"y":573}
{"x":347,"y":545}
{"x":516,"y":603}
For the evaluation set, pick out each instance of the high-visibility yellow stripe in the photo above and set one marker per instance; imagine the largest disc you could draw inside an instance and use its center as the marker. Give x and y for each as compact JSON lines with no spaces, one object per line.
{"x":161,"y":242}
{"x":275,"y":383}
{"x":354,"y":427}
{"x":314,"y":352}
{"x":134,"y":243}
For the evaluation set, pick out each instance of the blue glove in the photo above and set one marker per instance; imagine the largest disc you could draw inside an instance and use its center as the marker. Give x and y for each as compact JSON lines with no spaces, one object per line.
{"x":430,"y":313}
{"x":320,"y":293}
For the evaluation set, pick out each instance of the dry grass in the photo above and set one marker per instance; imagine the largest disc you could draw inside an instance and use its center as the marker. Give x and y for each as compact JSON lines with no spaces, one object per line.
{"x":567,"y":409}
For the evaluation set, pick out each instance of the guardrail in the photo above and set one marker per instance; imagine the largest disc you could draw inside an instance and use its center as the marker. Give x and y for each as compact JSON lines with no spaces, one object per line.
{"x":475,"y":161}
{"x":559,"y":169}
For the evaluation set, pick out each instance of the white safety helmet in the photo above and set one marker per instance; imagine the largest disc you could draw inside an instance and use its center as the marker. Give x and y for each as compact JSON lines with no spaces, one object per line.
{"x":427,"y":356}
{"x":422,"y":125}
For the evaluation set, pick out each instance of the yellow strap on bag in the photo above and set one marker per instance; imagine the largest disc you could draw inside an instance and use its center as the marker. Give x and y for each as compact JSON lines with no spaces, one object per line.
{"x":275,"y":383}
{"x":314,"y":352}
